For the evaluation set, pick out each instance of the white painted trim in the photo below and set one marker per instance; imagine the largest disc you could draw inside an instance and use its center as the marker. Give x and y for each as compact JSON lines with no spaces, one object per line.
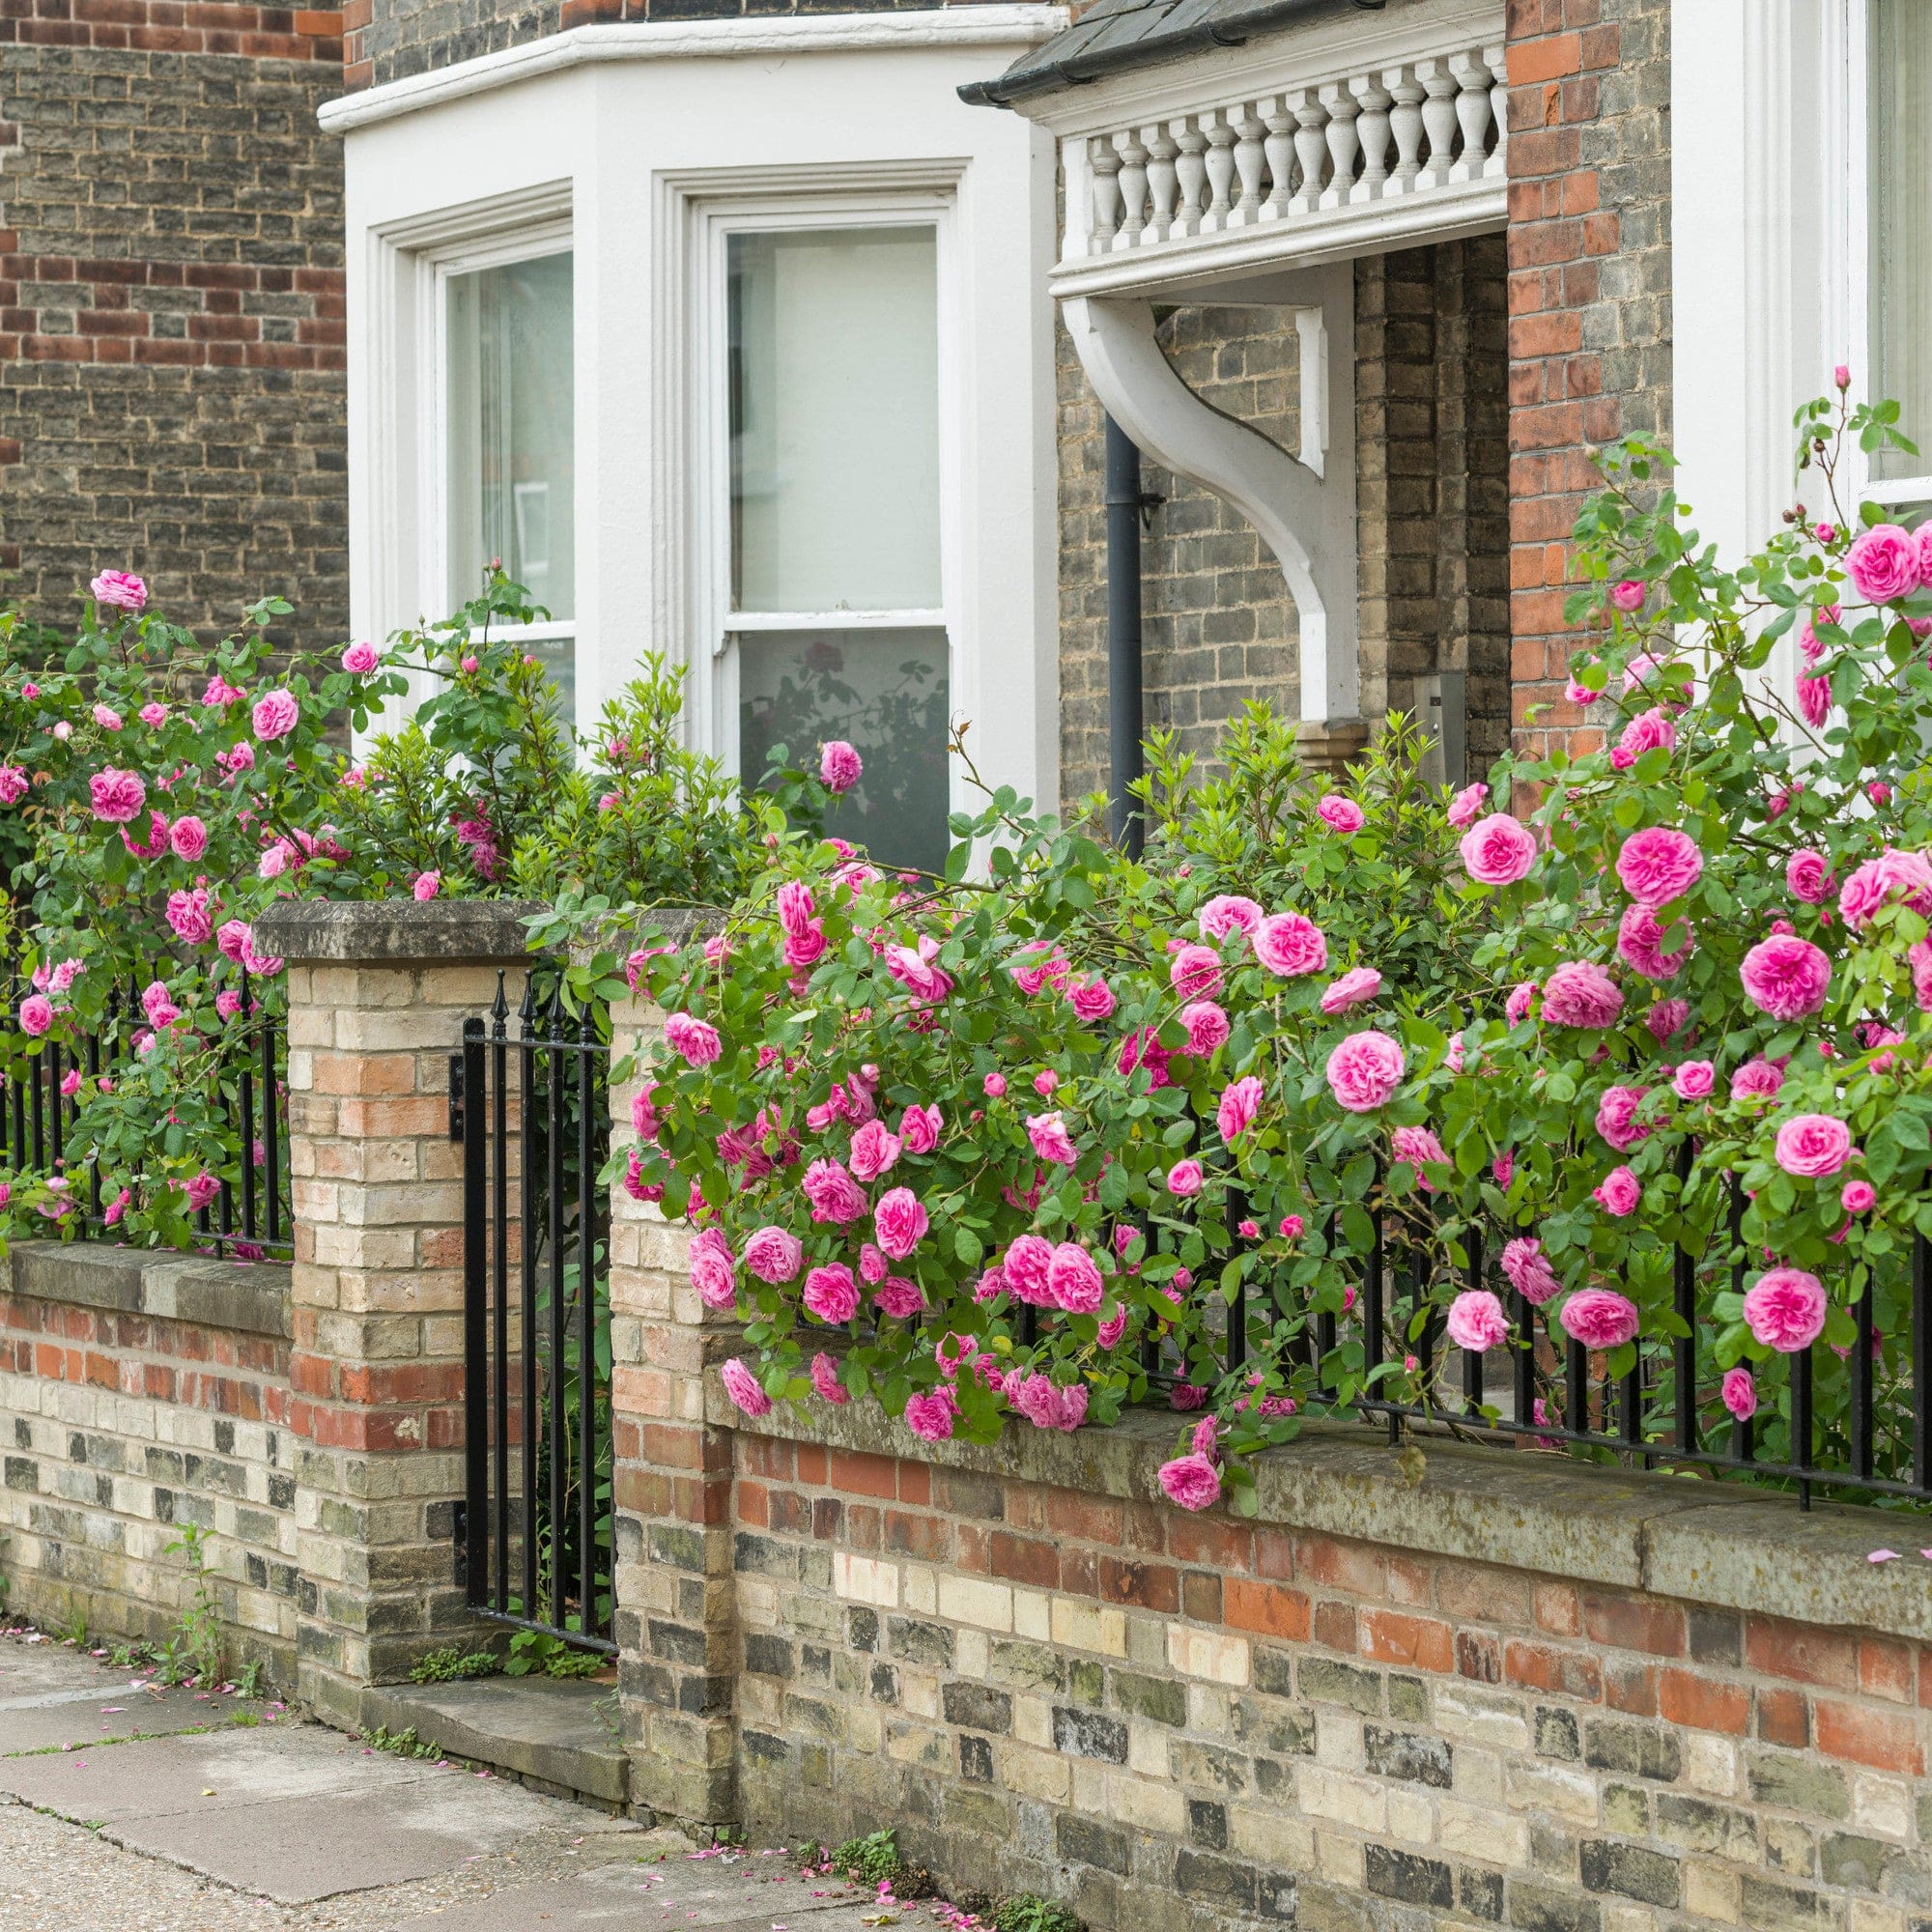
{"x":991,"y":23}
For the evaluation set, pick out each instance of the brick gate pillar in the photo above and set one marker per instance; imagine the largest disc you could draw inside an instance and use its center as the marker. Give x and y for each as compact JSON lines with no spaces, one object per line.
{"x":378,"y":994}
{"x":677,"y":1609}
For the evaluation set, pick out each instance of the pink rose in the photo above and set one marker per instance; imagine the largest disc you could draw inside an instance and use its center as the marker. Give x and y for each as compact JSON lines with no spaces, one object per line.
{"x":917,"y":969}
{"x":713,"y":1271}
{"x":190,"y":916}
{"x":994,"y":1085}
{"x":743,"y":1387}
{"x":1364,"y":1070}
{"x":1355,"y":988}
{"x":116,"y":796}
{"x":107,"y":718}
{"x":1291,"y":946}
{"x":694,"y":1041}
{"x":1756,"y":1079}
{"x":1226,"y":913}
{"x":1503,"y":1168}
{"x":1498,"y":850}
{"x":1786,"y":977}
{"x":1528,"y":1271}
{"x":1050,"y":1139}
{"x":426,"y":886}
{"x":1647,"y":732}
{"x":360,"y":659}
{"x":1628,"y":595}
{"x":235,"y":938}
{"x":1659,"y":863}
{"x":1599,"y":1318}
{"x":1807,"y":876}
{"x":1142,"y":1050}
{"x":202,"y":1190}
{"x":774,"y":1256}
{"x":1640,"y":942}
{"x":276,"y":714}
{"x":37,"y":1015}
{"x":1619,"y":1192}
{"x":1477,"y":1322}
{"x":831,"y":1293}
{"x":1026,"y":1268}
{"x":840,"y":766}
{"x":920,"y":1128}
{"x":1517,"y":1006}
{"x":1239,"y":1104}
{"x":899,"y":1222}
{"x":1739,"y":1393}
{"x":1184,"y":1178}
{"x":1195,"y":972}
{"x":1616,"y":1116}
{"x":1812,"y":1146}
{"x":1907,"y":875}
{"x":1418,"y":1147}
{"x":1668,"y":1018}
{"x":825,"y":1379}
{"x":1815,"y":700}
{"x":1207,"y":1027}
{"x":1785,"y":1309}
{"x":1580,"y":994}
{"x":1467,"y":807}
{"x":1883,"y":563}
{"x":1192,"y":1482}
{"x":929,"y":1417}
{"x":1694,"y":1080}
{"x":1092,"y":999}
{"x":1074,"y":1280}
{"x":795,"y":906}
{"x":14,"y":785}
{"x":1857,"y":1197}
{"x":187,"y":838}
{"x":1339,"y":813}
{"x":835,"y":1196}
{"x":875,"y":1151}
{"x":120,"y":589}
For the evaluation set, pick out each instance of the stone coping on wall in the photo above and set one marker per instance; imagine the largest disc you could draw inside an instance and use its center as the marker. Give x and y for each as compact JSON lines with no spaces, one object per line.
{"x":355,"y":933}
{"x":1669,"y":1536}
{"x":245,"y":1297}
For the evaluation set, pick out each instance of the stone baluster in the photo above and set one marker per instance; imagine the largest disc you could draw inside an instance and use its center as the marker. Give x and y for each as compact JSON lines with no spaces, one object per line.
{"x":1106,"y":165}
{"x":1163,"y":182}
{"x":1372,"y":129}
{"x":1133,"y":189}
{"x":1311,"y":149}
{"x":1341,"y":107}
{"x":1439,"y":122}
{"x":1406,"y":125}
{"x":1494,"y":58}
{"x":1472,"y":112}
{"x":1279,"y":148}
{"x":1219,"y":130}
{"x":1250,"y":163}
{"x":1191,"y":172}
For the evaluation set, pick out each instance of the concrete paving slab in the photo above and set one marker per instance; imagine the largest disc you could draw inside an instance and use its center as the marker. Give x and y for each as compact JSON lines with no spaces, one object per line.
{"x":53,"y":1719}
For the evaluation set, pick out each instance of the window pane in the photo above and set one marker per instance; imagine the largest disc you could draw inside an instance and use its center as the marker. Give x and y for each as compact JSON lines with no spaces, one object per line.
{"x":1901,"y":223}
{"x":885,"y":693}
{"x":512,"y":460}
{"x":835,"y":420}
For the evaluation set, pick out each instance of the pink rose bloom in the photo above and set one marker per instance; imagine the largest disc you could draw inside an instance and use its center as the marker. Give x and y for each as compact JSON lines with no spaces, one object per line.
{"x":1026,"y":1268}
{"x":187,"y":838}
{"x":1807,"y":876}
{"x":1292,"y":1228}
{"x":276,"y":714}
{"x":1739,"y":1393}
{"x":1291,"y":946}
{"x":1195,"y":972}
{"x":1226,"y":913}
{"x":795,"y":906}
{"x":120,"y":589}
{"x":774,"y":1256}
{"x":917,"y":969}
{"x":713,"y":1271}
{"x":1646,"y":733}
{"x":694,"y":1041}
{"x":1192,"y":1482}
{"x":107,"y":718}
{"x":831,"y":1293}
{"x":1875,"y":883}
{"x":1641,"y":943}
{"x":1808,"y":640}
{"x":37,"y":1015}
{"x":157,"y":1004}
{"x":1503,"y":1168}
{"x":899,"y":1222}
{"x":1599,"y":1318}
{"x":1619,"y":1192}
{"x":63,"y":731}
{"x":825,"y":1379}
{"x":1616,"y":1116}
{"x":1883,"y":563}
{"x":1108,"y":1334}
{"x":742,"y":1386}
{"x":1339,"y":813}
{"x":1659,"y":863}
{"x":1239,"y":1104}
{"x":1694,"y":1080}
{"x":840,"y":766}
{"x":1517,"y":1006}
{"x":360,"y":659}
{"x":154,"y":715}
{"x":1918,"y":956}
{"x":1364,"y":1070}
{"x":1756,"y":1079}
{"x":1528,"y":1271}
{"x":1857,"y":1197}
{"x":202,"y":1190}
{"x":875,"y":1151}
{"x":804,"y":949}
{"x":1207,"y":1027}
{"x":426,"y":886}
{"x":1580,"y":994}
{"x":1143,"y":1050}
{"x":116,"y":796}
{"x":1050,"y":1140}
{"x":929,"y":1417}
{"x":1092,"y":999}
{"x":1467,"y":807}
{"x":189,"y":917}
{"x":1628,"y":595}
{"x":1668,"y":1018}
{"x":1785,"y":1309}
{"x":233,"y":937}
{"x":1418,"y":1146}
{"x":1580,"y":694}
{"x":920,"y":1128}
{"x":1620,"y":760}
{"x":1184,"y":1178}
{"x":1498,"y":850}
{"x":833,"y":1194}
{"x":1812,"y":1146}
{"x":994,"y":1085}
{"x":1815,"y":700}
{"x":1355,"y":988}
{"x":1786,"y":977}
{"x":1477,"y":1322}
{"x":14,"y":785}
{"x":1074,"y":1280}
{"x":873,"y":1266}
{"x":473,"y":664}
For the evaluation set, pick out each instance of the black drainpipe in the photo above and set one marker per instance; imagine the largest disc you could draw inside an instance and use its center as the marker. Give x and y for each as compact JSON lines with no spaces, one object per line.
{"x":1124,"y":766}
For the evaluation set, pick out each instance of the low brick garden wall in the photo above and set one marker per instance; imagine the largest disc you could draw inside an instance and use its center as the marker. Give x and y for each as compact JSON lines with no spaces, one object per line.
{"x":138,"y":1392}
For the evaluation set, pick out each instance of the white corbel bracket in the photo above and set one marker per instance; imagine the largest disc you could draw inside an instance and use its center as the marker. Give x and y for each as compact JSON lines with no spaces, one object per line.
{"x":1303,"y":509}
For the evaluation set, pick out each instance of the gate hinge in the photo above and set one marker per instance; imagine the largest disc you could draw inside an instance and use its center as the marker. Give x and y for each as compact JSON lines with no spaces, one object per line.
{"x":457,"y":1096}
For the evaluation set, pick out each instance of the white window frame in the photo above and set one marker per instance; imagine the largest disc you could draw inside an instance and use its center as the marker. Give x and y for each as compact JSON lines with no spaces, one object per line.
{"x":802,"y":204}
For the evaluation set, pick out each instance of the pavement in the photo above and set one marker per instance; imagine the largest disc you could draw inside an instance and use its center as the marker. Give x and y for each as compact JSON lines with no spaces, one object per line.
{"x":129,"y":1807}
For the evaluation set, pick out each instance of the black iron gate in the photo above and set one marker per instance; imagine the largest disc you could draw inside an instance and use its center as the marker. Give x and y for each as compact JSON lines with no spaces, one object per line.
{"x":534,"y":1544}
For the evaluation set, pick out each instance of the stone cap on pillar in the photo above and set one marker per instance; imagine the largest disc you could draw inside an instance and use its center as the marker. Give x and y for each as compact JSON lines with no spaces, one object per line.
{"x":355,"y":933}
